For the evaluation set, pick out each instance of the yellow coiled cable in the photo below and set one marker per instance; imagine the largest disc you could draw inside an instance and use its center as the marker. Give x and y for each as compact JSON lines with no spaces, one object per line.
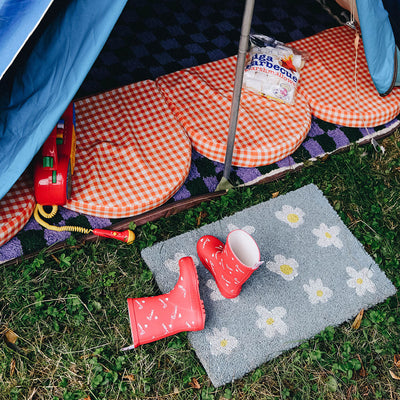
{"x":40,"y":210}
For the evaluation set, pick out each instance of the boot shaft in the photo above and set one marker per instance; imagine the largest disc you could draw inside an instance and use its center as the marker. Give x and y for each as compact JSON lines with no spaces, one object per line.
{"x":242,"y":250}
{"x":181,"y":309}
{"x":231,"y":264}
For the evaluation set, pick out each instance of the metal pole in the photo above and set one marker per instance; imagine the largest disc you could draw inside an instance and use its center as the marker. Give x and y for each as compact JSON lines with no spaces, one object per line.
{"x":237,"y":88}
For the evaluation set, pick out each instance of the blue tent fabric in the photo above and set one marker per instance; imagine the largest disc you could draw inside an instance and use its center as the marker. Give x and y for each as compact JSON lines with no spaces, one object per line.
{"x":18,"y":20}
{"x":379,"y":43}
{"x":47,"y":81}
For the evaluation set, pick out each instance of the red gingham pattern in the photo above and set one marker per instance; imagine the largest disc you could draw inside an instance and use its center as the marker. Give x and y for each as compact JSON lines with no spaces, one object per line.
{"x":131,"y":154}
{"x":267,"y":131}
{"x":16,"y":207}
{"x":327,"y":81}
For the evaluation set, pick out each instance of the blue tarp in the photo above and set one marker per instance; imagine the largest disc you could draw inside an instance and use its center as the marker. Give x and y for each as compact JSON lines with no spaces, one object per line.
{"x":48,"y":78}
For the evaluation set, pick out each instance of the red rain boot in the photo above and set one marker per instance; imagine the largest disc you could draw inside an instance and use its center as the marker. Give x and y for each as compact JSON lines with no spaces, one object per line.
{"x":181,"y":309}
{"x":230,"y":264}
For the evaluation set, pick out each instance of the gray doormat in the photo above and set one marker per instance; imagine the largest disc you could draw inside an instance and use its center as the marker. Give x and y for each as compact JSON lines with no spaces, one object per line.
{"x":316,"y":274}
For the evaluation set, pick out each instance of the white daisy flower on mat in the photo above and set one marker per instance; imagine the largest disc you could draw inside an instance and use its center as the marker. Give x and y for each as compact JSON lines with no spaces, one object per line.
{"x":173,"y":263}
{"x":317,"y":292}
{"x":271,"y":321}
{"x":215,"y":294}
{"x":361,"y":280}
{"x":328,"y":236}
{"x":248,"y":228}
{"x":221,"y":342}
{"x":291,"y":215}
{"x":285,"y":267}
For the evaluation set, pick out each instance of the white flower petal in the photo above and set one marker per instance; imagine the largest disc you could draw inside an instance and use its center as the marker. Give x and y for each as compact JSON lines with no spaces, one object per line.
{"x":279,"y":312}
{"x":361,"y":280}
{"x":173,"y":263}
{"x":334,"y":230}
{"x":327,"y":236}
{"x":293,"y":216}
{"x":317,"y":292}
{"x":221,"y":342}
{"x":271,"y":321}
{"x":287,"y":268}
{"x":351,"y":271}
{"x":281,"y":327}
{"x":248,"y":228}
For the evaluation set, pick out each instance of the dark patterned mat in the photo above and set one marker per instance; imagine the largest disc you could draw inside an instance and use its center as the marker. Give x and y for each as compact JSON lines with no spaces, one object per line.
{"x":153,"y":38}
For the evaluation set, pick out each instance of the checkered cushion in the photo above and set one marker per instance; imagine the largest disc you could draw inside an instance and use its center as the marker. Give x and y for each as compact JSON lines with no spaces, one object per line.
{"x":201,"y":97}
{"x":131,"y":154}
{"x":328,"y":81}
{"x":16,"y":207}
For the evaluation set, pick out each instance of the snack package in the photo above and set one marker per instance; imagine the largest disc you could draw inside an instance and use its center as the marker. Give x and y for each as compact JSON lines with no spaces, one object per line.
{"x":273,"y":69}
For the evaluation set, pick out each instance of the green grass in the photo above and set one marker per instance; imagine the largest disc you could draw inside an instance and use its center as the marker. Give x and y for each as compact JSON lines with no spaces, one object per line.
{"x":69,"y":309}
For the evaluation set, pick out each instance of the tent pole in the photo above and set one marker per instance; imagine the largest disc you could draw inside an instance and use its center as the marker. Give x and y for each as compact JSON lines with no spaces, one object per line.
{"x":237,"y":88}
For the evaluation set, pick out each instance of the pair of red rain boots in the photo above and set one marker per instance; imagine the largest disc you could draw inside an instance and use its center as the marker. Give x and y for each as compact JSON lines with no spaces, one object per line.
{"x":181,"y":309}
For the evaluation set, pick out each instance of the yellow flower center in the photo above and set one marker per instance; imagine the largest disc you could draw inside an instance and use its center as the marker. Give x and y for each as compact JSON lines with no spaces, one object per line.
{"x":359,"y":281}
{"x":320,"y":293}
{"x":286,"y":269}
{"x":270,"y":321}
{"x":223,"y":342}
{"x":328,"y":235}
{"x":293,"y":218}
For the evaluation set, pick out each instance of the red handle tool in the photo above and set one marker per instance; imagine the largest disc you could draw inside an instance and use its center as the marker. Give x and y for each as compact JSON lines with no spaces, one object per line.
{"x":125,"y":236}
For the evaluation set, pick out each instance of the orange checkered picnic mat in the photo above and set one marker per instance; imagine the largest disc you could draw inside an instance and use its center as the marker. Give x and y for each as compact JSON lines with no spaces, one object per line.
{"x":267,"y":131}
{"x":337,"y":84}
{"x":131,"y":153}
{"x":16,"y":207}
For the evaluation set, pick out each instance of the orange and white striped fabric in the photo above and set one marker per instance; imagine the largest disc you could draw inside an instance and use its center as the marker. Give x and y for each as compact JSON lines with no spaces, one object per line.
{"x":131,"y":153}
{"x":338,"y":85}
{"x":267,"y":131}
{"x":16,"y":207}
